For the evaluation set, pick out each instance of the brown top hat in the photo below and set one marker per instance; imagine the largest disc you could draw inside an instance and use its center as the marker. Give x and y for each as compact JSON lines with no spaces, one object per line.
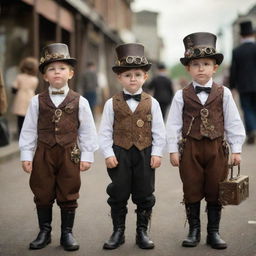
{"x":55,"y":52}
{"x":246,"y":28}
{"x":130,"y":56}
{"x":200,"y":45}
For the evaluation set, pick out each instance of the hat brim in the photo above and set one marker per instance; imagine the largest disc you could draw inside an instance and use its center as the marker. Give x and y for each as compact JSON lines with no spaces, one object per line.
{"x":70,"y":61}
{"x":118,"y":69}
{"x":218,"y":57}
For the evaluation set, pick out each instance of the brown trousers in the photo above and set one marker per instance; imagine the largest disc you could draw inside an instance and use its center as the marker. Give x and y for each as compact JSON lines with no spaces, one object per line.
{"x":204,"y":163}
{"x":55,"y":176}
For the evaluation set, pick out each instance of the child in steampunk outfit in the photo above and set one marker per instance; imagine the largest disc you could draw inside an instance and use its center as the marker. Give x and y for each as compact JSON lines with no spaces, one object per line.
{"x":58,"y":128}
{"x":131,"y":138}
{"x":201,"y":114}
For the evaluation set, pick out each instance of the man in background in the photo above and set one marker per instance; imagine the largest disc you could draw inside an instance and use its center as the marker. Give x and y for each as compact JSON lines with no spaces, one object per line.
{"x":243,"y":77}
{"x":162,"y":86}
{"x":89,"y":83}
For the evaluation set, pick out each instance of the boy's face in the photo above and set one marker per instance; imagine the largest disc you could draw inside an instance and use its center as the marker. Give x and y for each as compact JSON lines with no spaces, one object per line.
{"x":201,"y":70}
{"x":133,"y":79}
{"x":57,"y":74}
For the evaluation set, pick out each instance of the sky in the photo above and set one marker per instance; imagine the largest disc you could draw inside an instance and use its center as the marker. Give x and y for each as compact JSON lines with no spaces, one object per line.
{"x":178,"y":18}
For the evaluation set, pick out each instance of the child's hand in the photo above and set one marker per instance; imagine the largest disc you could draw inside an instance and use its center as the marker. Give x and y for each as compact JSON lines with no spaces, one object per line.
{"x":111,"y":162}
{"x":235,"y":158}
{"x":155,"y":161}
{"x":27,"y":166}
{"x":84,"y":166}
{"x":175,"y":159}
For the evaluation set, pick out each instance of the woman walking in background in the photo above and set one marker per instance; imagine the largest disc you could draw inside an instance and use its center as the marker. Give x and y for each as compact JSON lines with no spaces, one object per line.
{"x":24,"y":88}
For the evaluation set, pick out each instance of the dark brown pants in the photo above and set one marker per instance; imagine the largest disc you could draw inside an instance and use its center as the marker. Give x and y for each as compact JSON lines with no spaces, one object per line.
{"x":55,"y":176}
{"x":203,"y":165}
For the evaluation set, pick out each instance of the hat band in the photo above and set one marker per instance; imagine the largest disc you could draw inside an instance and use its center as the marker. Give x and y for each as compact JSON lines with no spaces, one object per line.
{"x":53,"y":56}
{"x":199,"y":52}
{"x":138,"y":60}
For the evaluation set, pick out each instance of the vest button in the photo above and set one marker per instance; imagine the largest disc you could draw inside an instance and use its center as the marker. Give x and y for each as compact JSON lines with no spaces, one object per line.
{"x":57,"y":129}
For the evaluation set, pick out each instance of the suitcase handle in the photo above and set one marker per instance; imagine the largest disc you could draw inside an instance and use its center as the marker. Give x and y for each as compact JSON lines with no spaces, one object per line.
{"x":231,"y":172}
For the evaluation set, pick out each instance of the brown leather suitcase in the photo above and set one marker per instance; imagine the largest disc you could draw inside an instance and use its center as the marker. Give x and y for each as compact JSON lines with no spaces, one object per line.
{"x":234,"y":190}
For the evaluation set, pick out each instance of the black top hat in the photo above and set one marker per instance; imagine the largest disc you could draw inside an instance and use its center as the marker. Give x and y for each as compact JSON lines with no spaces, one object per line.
{"x":200,"y":45}
{"x":55,"y":52}
{"x":246,"y":28}
{"x":130,"y":56}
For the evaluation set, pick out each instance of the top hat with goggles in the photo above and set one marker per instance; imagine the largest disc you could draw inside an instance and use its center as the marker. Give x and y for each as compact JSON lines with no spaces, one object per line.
{"x":55,"y":52}
{"x":130,"y":56}
{"x":200,"y":45}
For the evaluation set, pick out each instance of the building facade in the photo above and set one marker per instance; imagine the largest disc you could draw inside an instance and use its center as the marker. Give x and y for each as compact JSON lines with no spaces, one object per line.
{"x":145,"y":29}
{"x":91,"y":29}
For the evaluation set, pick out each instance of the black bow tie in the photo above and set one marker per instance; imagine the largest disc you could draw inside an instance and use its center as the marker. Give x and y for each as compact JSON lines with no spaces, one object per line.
{"x":202,"y":89}
{"x":135,"y":96}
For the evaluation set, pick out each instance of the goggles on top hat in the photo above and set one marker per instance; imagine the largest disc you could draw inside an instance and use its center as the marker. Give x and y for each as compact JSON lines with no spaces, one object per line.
{"x":132,"y":60}
{"x":199,"y":52}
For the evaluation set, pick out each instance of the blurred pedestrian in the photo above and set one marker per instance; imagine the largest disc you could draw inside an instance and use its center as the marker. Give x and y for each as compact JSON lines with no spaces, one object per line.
{"x":24,"y":88}
{"x":4,"y":131}
{"x":88,"y":83}
{"x":243,"y":77}
{"x":163,"y":88}
{"x":199,"y":115}
{"x":57,"y":142}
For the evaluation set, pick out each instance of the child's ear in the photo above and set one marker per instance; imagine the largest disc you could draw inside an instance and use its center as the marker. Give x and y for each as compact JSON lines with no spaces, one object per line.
{"x":71,"y":73}
{"x":118,"y":76}
{"x":215,"y":68}
{"x":187,"y":68}
{"x":45,"y":78}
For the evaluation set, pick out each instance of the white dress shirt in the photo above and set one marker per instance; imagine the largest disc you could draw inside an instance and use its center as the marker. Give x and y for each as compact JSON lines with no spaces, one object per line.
{"x":87,"y":136}
{"x":107,"y":121}
{"x":233,"y":126}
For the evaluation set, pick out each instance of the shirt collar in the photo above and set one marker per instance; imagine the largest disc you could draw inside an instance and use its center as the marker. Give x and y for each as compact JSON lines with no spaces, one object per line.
{"x":248,"y":40}
{"x":208,"y":84}
{"x":65,"y":88}
{"x":138,"y":92}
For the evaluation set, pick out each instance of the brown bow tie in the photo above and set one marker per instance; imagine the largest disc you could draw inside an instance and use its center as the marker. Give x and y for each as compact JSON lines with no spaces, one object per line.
{"x":58,"y":92}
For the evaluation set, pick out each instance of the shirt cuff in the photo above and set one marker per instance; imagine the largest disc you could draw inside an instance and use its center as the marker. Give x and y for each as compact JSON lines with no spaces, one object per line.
{"x":173,"y":148}
{"x":157,"y":151}
{"x":87,"y":157}
{"x":108,"y":153}
{"x":26,"y":156}
{"x":236,"y":148}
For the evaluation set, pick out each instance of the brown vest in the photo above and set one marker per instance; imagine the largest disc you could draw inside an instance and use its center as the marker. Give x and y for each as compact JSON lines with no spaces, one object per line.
{"x":132,"y":128}
{"x":58,"y":125}
{"x":203,"y":120}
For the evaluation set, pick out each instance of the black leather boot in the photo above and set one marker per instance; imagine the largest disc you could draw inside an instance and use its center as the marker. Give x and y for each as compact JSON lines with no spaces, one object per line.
{"x":67,"y":239}
{"x":213,"y":238}
{"x":193,"y":216}
{"x":117,"y":238}
{"x":44,"y":235}
{"x":142,"y":239}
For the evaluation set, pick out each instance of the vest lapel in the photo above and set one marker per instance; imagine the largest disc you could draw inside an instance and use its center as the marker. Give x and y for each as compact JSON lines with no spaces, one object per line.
{"x":191,"y":93}
{"x":144,"y":96}
{"x":213,"y":94}
{"x":46,"y":99}
{"x":122,"y":103}
{"x":69,"y":98}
